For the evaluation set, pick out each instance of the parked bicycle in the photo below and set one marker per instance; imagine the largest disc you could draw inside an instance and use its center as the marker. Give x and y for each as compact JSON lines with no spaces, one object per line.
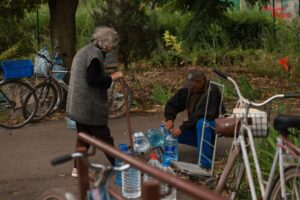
{"x":98,"y":178}
{"x":53,"y":81}
{"x":250,"y":123}
{"x":16,"y":95}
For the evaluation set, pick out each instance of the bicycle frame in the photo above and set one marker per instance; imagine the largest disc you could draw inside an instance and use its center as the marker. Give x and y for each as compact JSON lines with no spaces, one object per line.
{"x":240,"y":147}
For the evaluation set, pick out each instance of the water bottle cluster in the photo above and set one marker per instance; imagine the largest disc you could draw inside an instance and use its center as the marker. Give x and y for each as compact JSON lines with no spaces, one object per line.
{"x":156,"y":138}
{"x":130,"y":179}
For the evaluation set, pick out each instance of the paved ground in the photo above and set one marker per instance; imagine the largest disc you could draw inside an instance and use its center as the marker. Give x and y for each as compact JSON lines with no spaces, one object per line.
{"x":26,"y":153}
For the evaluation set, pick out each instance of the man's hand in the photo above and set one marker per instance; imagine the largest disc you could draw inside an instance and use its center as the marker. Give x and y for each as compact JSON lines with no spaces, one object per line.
{"x":176,"y":132}
{"x":169,"y":125}
{"x":116,"y":75}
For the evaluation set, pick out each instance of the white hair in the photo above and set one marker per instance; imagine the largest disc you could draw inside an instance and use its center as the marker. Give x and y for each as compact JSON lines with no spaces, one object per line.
{"x":105,"y":38}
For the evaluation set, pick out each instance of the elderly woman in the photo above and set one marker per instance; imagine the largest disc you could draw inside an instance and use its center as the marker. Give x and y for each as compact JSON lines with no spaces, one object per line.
{"x":87,"y":97}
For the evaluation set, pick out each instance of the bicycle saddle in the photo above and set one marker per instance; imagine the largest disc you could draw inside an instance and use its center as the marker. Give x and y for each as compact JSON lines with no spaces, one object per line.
{"x":283,"y":122}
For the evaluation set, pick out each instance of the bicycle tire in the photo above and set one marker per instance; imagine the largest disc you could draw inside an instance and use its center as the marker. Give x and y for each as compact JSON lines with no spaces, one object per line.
{"x":57,"y":194}
{"x":231,"y":182}
{"x":116,"y":100}
{"x":60,"y":96}
{"x":12,"y":108}
{"x":292,"y":182}
{"x":47,"y":97}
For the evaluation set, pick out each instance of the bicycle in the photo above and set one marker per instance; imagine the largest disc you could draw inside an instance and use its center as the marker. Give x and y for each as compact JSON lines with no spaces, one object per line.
{"x":16,"y":96}
{"x":251,"y":123}
{"x":98,"y":179}
{"x":116,"y":98}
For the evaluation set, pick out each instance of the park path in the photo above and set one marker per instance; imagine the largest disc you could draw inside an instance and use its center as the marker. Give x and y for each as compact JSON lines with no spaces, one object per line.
{"x":26,"y":153}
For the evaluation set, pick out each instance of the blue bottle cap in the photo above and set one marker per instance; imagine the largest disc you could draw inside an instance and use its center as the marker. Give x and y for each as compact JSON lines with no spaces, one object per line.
{"x":166,"y":163}
{"x":123,"y":147}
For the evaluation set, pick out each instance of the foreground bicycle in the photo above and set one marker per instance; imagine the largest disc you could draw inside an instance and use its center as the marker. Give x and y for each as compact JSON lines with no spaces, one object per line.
{"x":250,"y":123}
{"x":99,"y":177}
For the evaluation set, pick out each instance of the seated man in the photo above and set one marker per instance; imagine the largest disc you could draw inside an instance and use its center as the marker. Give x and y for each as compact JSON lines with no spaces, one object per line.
{"x":192,"y":97}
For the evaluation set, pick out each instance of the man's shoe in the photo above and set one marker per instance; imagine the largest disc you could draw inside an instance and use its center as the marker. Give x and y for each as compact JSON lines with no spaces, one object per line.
{"x":74,"y":172}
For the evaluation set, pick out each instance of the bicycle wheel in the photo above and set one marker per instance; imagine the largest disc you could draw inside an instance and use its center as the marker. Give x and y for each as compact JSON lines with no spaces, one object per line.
{"x":47,"y":98}
{"x":60,"y":96}
{"x":57,"y":194}
{"x":232,"y":175}
{"x":292,"y":185}
{"x":37,"y":80}
{"x":116,"y":99}
{"x":13,"y":101}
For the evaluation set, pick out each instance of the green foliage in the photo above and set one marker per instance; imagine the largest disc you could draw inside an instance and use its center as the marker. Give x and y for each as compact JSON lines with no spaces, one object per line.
{"x":244,"y":28}
{"x":161,"y":95}
{"x":136,"y":30}
{"x":15,"y":10}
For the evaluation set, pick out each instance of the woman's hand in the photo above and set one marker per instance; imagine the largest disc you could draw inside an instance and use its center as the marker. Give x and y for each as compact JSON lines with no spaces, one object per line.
{"x":116,"y":75}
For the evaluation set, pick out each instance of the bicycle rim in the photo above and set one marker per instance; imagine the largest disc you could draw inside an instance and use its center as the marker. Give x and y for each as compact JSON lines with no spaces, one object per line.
{"x":116,"y":99}
{"x":13,"y":104}
{"x":235,"y":178}
{"x":60,"y":96}
{"x":292,"y":185}
{"x":47,"y":98}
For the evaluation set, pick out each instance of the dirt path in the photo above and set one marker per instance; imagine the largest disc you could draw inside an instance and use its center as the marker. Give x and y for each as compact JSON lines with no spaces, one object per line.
{"x":26,"y":153}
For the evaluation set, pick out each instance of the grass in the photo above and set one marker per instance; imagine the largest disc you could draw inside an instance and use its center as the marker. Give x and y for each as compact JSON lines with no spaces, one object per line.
{"x":160,"y":94}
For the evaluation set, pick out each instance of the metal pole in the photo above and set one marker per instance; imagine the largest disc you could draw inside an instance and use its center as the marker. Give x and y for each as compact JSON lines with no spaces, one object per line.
{"x":114,"y":194}
{"x":37,"y":27}
{"x":127,"y":112}
{"x":199,"y":192}
{"x":83,"y":178}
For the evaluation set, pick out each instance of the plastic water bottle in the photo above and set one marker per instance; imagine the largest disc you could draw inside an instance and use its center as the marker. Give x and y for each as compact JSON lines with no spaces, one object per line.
{"x":118,"y":163}
{"x":155,"y":137}
{"x":57,"y":59}
{"x":70,"y":123}
{"x":170,"y":147}
{"x":131,"y":185}
{"x":154,"y":162}
{"x":164,"y":188}
{"x":140,"y":142}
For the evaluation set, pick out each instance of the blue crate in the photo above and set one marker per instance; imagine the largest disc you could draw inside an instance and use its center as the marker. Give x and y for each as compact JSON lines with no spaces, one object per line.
{"x":17,"y":69}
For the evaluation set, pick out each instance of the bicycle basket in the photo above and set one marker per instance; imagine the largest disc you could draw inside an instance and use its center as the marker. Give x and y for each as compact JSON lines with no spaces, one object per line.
{"x":258,"y":120}
{"x":17,"y":69}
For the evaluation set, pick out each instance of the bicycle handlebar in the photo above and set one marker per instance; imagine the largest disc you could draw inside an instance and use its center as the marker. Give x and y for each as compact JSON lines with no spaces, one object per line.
{"x":224,"y":76}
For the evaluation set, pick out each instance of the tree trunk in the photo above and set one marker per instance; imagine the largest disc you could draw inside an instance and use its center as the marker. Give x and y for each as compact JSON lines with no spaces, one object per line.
{"x":63,"y":28}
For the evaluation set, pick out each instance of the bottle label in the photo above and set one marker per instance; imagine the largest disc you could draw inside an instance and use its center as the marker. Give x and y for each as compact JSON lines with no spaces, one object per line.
{"x":170,"y":151}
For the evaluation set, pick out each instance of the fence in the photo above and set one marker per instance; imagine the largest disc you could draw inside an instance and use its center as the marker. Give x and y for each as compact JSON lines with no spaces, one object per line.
{"x":150,"y":190}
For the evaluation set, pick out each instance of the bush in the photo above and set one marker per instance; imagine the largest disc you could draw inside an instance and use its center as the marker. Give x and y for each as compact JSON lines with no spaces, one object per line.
{"x":245,"y":28}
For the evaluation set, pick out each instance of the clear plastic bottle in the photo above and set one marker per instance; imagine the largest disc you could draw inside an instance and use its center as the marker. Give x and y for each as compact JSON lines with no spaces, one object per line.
{"x":154,"y":162}
{"x":70,"y":123}
{"x":118,"y":163}
{"x":164,"y":188}
{"x":131,"y":183}
{"x":140,"y":142}
{"x":155,"y":137}
{"x":170,"y":147}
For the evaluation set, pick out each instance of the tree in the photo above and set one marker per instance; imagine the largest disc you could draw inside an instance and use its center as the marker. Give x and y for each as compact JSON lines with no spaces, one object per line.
{"x":63,"y":27}
{"x":136,"y":30}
